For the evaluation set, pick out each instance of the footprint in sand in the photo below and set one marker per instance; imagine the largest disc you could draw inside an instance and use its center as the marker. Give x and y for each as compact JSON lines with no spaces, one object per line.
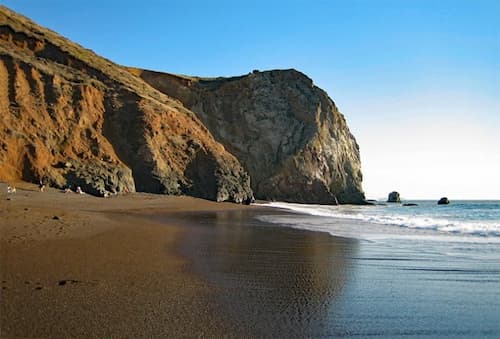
{"x":38,"y":285}
{"x":68,"y":281}
{"x":73,"y":282}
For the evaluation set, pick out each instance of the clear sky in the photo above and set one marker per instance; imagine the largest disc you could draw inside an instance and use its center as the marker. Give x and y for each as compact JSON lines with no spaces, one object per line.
{"x":418,"y":81}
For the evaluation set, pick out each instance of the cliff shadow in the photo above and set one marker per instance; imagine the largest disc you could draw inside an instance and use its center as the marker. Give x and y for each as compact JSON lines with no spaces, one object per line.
{"x":201,"y":173}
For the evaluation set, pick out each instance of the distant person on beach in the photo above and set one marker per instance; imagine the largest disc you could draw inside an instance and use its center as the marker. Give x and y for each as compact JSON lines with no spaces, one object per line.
{"x":41,"y":186}
{"x":79,"y":190}
{"x":11,"y":189}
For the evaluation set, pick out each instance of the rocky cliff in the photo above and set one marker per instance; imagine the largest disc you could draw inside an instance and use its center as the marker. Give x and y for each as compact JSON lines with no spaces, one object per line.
{"x":70,"y":117}
{"x":288,"y":133}
{"x":73,"y":118}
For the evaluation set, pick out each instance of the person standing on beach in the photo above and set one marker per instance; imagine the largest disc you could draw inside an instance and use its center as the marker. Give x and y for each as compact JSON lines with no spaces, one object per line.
{"x":41,"y":186}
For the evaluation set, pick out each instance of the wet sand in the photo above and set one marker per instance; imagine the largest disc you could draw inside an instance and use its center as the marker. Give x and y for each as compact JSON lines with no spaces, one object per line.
{"x":274,"y":281}
{"x":268,"y":281}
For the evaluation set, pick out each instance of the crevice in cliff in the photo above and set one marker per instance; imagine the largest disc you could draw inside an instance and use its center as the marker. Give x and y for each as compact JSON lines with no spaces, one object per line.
{"x":11,"y":73}
{"x":49,"y":93}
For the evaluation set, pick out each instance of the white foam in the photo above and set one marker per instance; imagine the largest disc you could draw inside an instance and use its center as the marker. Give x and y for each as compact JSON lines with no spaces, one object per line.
{"x":407,"y":224}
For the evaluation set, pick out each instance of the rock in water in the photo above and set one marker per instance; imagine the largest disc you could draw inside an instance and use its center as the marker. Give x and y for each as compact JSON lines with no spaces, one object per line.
{"x":394,"y":197}
{"x":443,"y":201}
{"x":288,"y":133}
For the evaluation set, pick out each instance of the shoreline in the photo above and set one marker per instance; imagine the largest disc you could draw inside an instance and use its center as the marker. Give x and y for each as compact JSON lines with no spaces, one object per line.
{"x":276,"y":281}
{"x":153,"y":266}
{"x":268,"y":280}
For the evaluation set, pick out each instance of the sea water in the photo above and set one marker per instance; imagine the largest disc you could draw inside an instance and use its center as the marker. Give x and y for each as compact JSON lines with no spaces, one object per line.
{"x":468,"y":221}
{"x":417,"y":271}
{"x":423,"y":271}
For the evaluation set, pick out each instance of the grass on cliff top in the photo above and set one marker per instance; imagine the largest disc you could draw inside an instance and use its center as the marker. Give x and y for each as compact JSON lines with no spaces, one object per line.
{"x":115,"y":72}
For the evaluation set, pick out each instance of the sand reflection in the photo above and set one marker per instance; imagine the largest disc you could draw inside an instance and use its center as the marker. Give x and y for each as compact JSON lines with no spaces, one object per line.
{"x":269,"y":281}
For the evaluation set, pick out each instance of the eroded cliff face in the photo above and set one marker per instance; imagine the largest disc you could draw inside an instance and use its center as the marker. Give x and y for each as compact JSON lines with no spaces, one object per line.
{"x":288,"y":133}
{"x":70,"y":117}
{"x":73,"y":118}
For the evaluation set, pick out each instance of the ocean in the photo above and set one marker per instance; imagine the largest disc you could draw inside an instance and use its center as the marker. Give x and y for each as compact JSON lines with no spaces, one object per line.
{"x":310,"y":271}
{"x":417,"y":271}
{"x":462,"y":221}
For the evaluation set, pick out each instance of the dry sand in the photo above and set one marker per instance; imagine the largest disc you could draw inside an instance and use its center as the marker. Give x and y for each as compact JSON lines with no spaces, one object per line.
{"x":76,"y":265}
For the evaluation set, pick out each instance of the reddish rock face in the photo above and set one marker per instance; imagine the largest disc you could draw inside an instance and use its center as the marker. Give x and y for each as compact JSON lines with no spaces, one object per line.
{"x":70,"y":117}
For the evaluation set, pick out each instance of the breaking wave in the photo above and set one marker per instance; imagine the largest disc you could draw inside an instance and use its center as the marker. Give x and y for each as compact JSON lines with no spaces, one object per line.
{"x":465,"y":218}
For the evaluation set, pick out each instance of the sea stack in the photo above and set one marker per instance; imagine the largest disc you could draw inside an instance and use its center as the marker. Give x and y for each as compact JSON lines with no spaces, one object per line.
{"x":443,"y":201}
{"x":394,"y":197}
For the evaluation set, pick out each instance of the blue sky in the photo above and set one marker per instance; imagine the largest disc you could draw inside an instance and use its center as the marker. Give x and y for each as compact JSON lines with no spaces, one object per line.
{"x":418,"y":81}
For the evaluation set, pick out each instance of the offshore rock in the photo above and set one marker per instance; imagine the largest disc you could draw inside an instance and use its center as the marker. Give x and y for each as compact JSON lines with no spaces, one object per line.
{"x":443,"y":201}
{"x":394,"y":197}
{"x":287,"y":133}
{"x":71,"y":118}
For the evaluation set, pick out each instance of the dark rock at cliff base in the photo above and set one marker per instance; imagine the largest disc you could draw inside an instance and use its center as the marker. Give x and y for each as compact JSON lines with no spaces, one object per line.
{"x":394,"y":197}
{"x":443,"y":201}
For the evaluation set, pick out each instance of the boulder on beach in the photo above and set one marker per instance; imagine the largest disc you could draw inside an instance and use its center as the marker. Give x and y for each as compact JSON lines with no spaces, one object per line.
{"x":394,"y":197}
{"x":443,"y":201}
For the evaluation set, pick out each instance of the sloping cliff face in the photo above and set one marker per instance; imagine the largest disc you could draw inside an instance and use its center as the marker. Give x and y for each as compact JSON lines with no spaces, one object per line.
{"x":73,"y":118}
{"x":70,"y":117}
{"x":288,"y":133}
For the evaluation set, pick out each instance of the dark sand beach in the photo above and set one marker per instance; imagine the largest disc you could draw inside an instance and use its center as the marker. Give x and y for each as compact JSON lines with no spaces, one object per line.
{"x":153,"y":266}
{"x":99,"y":269}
